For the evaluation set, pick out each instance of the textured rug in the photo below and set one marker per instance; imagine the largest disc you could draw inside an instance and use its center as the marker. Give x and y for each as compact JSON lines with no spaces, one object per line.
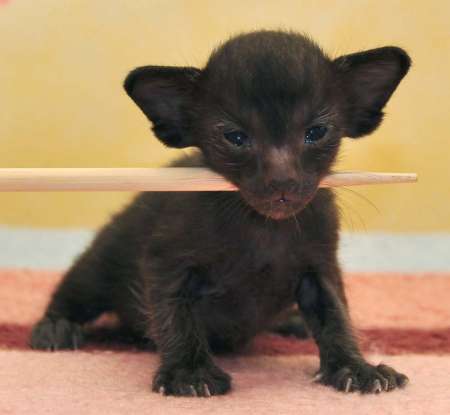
{"x":403,"y":320}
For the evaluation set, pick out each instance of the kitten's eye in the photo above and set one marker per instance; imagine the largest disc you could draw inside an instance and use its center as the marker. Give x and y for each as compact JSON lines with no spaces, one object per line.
{"x":237,"y":138}
{"x":315,"y":133}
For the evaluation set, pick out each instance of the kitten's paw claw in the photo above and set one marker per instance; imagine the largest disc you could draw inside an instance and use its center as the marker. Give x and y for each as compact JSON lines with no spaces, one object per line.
{"x":318,"y":377}
{"x":365,"y":378}
{"x":348,"y":385}
{"x":204,"y":381}
{"x":206,"y":390}
{"x":376,"y":387}
{"x":58,"y":334}
{"x":193,"y":390}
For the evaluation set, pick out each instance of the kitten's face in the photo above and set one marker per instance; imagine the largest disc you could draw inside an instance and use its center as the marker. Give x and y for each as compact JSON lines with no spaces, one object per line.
{"x":269,"y":111}
{"x":277,"y":177}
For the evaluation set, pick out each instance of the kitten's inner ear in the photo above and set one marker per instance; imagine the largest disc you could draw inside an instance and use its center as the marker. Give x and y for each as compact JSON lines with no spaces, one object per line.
{"x":163,"y":94}
{"x":369,"y":78}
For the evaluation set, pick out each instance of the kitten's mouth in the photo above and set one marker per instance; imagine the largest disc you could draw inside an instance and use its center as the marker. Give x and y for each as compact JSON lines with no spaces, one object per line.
{"x":277,"y":207}
{"x":280,"y":209}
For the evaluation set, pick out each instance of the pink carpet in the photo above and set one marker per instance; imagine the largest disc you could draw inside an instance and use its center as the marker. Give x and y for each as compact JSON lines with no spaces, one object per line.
{"x":403,"y":320}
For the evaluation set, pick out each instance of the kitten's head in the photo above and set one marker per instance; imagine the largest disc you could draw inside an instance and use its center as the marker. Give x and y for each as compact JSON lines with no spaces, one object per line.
{"x":269,"y":111}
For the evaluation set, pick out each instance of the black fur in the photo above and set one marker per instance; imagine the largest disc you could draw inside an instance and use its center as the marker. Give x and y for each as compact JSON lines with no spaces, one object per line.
{"x":203,"y":271}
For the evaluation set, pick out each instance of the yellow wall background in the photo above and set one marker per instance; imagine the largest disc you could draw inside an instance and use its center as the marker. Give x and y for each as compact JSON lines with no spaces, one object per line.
{"x":62,"y":63}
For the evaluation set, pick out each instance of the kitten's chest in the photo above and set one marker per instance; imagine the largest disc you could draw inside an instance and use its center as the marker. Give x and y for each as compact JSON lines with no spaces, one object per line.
{"x":269,"y":250}
{"x":264,"y":268}
{"x":247,"y":293}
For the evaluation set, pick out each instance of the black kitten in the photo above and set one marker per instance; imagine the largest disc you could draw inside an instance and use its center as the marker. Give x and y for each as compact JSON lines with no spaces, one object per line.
{"x":203,"y":271}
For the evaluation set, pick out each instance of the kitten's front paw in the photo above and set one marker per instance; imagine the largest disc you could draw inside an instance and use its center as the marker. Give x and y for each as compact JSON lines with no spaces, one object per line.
{"x":57,"y":334}
{"x":204,"y":381}
{"x":363,"y":377}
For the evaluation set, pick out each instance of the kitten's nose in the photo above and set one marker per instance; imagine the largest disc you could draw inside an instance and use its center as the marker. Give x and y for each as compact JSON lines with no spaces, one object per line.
{"x":284,"y":186}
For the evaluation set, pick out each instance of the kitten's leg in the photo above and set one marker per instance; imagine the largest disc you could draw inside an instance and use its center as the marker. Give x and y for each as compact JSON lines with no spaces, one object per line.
{"x":293,"y":323}
{"x":187,"y":367}
{"x":81,"y":296}
{"x":342,"y":365}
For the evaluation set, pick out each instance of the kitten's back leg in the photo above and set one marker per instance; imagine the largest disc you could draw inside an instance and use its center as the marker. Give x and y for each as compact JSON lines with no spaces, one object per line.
{"x":99,"y":281}
{"x":291,"y":324}
{"x":82,"y":295}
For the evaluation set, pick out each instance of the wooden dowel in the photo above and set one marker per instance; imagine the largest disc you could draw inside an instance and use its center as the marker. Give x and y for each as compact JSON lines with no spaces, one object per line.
{"x":155,"y":179}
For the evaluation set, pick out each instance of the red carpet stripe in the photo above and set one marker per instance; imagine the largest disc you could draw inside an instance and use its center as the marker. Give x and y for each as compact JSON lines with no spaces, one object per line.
{"x":383,"y":341}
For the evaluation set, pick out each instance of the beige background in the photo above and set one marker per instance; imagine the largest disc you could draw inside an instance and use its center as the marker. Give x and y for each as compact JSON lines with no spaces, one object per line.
{"x":62,"y":104}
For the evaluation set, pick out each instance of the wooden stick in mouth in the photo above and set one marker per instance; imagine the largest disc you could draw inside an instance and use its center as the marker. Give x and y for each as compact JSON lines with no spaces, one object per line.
{"x":166,"y":179}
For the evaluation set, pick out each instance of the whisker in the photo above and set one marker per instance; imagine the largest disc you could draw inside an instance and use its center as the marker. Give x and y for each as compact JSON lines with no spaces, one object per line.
{"x":297,"y":225}
{"x":362,"y":197}
{"x":347,"y":206}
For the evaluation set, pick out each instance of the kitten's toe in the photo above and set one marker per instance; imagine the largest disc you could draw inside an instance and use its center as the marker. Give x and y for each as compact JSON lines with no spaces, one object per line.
{"x":203,"y":381}
{"x":343,"y":380}
{"x":393,"y":378}
{"x":365,"y":378}
{"x":58,"y":334}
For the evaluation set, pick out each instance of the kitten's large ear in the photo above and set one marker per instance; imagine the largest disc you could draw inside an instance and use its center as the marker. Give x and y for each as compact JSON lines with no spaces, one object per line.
{"x":162,"y":93}
{"x":369,"y":78}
